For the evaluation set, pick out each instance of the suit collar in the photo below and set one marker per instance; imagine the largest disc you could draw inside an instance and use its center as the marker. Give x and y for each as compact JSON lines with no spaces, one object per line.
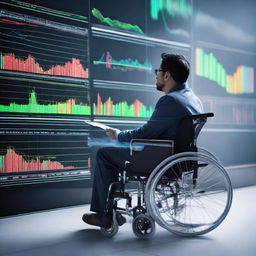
{"x":178,"y":87}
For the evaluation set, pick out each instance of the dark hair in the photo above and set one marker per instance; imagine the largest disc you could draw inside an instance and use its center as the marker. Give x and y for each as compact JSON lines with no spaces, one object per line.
{"x":177,"y":65}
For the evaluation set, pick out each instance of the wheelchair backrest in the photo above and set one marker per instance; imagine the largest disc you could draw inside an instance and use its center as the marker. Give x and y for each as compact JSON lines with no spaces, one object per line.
{"x":188,"y":131}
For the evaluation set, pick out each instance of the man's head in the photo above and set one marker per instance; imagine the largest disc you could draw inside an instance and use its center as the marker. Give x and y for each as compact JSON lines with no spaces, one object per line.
{"x":173,"y":70}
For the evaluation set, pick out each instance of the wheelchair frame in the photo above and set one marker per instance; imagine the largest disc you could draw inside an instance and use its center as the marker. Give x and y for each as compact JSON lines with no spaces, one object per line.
{"x":188,"y":193}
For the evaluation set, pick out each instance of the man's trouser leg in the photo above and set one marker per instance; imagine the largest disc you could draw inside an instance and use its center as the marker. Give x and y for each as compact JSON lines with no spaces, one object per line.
{"x":109,"y":161}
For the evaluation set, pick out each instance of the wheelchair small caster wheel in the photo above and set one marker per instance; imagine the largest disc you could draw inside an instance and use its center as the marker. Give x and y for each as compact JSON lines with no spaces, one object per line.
{"x":143,"y":226}
{"x":112,"y":230}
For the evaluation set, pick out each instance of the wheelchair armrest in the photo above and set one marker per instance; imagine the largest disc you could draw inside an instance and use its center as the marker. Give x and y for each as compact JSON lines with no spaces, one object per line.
{"x":139,"y":144}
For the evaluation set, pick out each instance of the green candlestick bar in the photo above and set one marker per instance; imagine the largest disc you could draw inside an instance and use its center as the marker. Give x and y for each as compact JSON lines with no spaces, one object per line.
{"x":68,"y":107}
{"x":115,"y":23}
{"x":172,"y":7}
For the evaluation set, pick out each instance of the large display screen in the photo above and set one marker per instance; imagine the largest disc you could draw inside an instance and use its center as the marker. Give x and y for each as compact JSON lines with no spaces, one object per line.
{"x":43,"y":150}
{"x":65,"y":62}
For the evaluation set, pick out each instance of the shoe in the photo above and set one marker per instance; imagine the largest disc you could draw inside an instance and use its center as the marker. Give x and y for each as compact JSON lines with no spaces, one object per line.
{"x":92,"y":219}
{"x":98,"y":219}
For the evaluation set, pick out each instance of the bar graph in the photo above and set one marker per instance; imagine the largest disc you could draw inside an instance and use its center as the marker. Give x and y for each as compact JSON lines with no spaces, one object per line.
{"x":72,"y":68}
{"x":14,"y":162}
{"x":209,"y":67}
{"x":69,"y":107}
{"x":121,"y":109}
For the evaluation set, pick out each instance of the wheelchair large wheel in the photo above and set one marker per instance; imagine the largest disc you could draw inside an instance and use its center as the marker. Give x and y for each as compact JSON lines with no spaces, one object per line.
{"x":189,"y":194}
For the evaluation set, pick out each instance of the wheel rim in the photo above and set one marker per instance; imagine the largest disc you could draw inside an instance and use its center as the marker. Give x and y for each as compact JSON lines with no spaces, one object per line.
{"x":186,"y":210}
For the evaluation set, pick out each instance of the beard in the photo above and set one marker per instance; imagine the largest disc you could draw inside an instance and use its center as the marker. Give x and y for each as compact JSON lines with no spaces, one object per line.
{"x":159,"y":86}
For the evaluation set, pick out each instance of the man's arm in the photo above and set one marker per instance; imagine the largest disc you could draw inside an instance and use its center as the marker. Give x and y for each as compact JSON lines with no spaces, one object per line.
{"x":163,"y":116}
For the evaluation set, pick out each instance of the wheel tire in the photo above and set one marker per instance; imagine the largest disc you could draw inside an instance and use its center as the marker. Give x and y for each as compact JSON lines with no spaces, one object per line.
{"x":186,"y":210}
{"x":111,"y":231}
{"x":143,"y":226}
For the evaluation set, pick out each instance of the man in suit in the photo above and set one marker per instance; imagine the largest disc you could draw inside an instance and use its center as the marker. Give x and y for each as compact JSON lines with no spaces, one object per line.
{"x":178,"y":101}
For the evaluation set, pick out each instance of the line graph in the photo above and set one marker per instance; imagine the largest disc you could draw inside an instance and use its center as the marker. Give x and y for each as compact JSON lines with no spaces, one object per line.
{"x":122,"y":64}
{"x":116,"y":23}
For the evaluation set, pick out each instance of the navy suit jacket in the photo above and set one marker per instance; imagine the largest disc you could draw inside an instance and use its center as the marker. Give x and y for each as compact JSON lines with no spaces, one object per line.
{"x":169,"y":110}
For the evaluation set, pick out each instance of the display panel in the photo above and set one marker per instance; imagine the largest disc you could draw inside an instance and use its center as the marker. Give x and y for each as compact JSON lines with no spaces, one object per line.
{"x":43,"y":150}
{"x":224,"y":73}
{"x":130,"y":18}
{"x":43,"y":62}
{"x":44,"y":47}
{"x":112,"y":63}
{"x":231,"y":113}
{"x":228,"y":23}
{"x":225,"y":79}
{"x":95,"y":60}
{"x":170,"y":20}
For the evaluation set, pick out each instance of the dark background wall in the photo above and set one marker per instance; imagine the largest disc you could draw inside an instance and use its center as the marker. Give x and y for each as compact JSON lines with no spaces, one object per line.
{"x":66,"y":62}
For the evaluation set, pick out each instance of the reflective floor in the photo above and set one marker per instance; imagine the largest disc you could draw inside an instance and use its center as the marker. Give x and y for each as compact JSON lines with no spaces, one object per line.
{"x":62,"y":232}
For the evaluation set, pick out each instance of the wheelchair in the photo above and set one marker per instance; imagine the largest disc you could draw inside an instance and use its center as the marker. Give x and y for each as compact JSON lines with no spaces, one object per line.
{"x":181,"y":187}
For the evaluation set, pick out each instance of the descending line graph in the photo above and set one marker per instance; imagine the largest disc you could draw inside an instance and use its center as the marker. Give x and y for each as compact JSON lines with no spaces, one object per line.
{"x":116,"y":23}
{"x":122,"y":64}
{"x":209,"y":67}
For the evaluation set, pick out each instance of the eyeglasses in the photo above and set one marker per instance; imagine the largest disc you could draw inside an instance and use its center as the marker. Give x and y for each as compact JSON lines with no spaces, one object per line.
{"x":157,"y":71}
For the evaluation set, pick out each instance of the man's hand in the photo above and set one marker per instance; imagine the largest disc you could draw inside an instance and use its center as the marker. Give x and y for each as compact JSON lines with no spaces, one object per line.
{"x":112,"y":133}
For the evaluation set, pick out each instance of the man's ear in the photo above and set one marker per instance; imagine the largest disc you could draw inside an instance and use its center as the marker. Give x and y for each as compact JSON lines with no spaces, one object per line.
{"x":167,"y":75}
